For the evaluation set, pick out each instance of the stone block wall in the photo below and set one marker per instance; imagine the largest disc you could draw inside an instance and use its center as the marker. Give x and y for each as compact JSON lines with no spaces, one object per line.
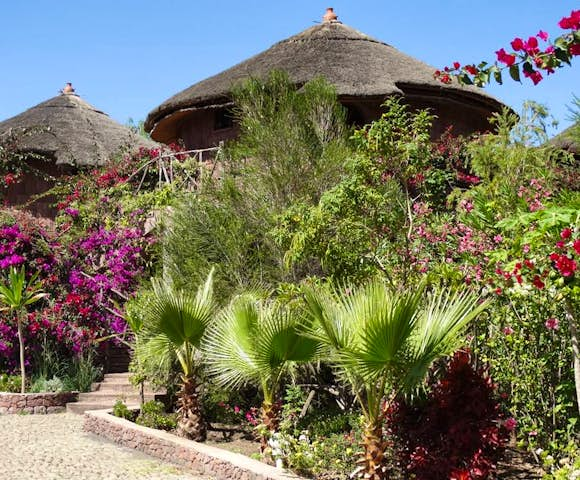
{"x":35,"y":403}
{"x":201,"y":458}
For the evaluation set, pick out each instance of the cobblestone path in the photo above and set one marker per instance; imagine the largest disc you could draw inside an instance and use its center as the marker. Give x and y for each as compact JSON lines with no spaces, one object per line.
{"x":54,"y":447}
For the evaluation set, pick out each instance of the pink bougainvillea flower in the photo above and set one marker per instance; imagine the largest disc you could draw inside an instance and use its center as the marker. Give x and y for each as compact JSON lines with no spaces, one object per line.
{"x":572,"y":22}
{"x":566,"y":233}
{"x":510,"y":424}
{"x":507,"y":331}
{"x":531,"y":46}
{"x":552,"y":324}
{"x":543,"y":35}
{"x":508,"y":58}
{"x":517,"y":44}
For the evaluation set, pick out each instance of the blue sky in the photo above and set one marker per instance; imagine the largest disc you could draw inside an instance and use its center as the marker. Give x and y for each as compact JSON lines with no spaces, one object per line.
{"x":125,"y":57}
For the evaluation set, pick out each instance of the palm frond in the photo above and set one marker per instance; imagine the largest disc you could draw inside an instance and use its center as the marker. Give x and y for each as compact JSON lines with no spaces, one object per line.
{"x":439,"y":331}
{"x":175,"y":322}
{"x":256,"y":341}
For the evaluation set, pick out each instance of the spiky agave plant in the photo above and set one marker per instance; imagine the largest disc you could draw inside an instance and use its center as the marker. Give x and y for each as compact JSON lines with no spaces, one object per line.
{"x":173,"y":327}
{"x":258,"y":341}
{"x":383,"y":343}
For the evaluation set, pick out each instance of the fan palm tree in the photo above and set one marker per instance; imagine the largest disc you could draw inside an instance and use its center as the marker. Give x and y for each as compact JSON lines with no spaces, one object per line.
{"x":383,"y":344}
{"x":173,"y":326}
{"x":257,"y":341}
{"x":16,"y":294}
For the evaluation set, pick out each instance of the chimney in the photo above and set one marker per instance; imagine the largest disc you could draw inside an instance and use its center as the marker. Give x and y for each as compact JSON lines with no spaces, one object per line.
{"x":330,"y":16}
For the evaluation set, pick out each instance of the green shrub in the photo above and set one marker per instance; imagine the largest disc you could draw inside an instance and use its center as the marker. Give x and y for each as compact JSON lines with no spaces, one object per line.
{"x":43,"y":384}
{"x":120,"y":410}
{"x":153,"y":415}
{"x":10,"y":383}
{"x":82,"y":373}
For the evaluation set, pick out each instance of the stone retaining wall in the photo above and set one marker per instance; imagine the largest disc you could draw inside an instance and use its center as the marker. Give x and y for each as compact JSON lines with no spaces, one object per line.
{"x":35,"y":403}
{"x":201,"y":458}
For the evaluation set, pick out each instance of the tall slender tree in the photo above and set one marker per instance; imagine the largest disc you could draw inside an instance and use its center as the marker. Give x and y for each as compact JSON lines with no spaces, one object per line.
{"x":17,"y":293}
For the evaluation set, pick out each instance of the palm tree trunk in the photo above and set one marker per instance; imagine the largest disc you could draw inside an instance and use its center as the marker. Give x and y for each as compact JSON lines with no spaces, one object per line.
{"x":270,"y":423}
{"x":190,"y":420}
{"x":372,"y":462}
{"x":22,"y":365}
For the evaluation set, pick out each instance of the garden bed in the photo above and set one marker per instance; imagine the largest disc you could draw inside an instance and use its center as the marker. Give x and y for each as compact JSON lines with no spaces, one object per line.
{"x":35,"y":403}
{"x":202,"y":458}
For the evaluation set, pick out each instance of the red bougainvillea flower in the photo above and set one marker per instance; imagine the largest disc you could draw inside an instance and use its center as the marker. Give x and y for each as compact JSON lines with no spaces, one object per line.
{"x":471,"y":69}
{"x":456,"y":65}
{"x":577,"y":246}
{"x":566,"y":233}
{"x":517,"y":44}
{"x":543,"y":35}
{"x":535,"y":76}
{"x":552,"y":324}
{"x":537,"y":281}
{"x":574,"y":49}
{"x":565,"y":265}
{"x":508,"y":58}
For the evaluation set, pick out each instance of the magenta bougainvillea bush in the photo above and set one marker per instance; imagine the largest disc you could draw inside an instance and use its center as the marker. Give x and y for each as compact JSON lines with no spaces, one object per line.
{"x":88,"y":280}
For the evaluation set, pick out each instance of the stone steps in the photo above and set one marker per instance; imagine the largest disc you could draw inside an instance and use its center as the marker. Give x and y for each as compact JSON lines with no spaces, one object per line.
{"x":104,"y":395}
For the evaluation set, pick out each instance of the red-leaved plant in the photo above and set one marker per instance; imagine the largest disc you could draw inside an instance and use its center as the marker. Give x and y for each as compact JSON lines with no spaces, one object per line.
{"x":458,"y":433}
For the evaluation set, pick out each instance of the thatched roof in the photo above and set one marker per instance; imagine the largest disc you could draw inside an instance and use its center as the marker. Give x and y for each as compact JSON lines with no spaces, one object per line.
{"x":70,"y":131}
{"x":569,"y":139}
{"x":358,"y":65}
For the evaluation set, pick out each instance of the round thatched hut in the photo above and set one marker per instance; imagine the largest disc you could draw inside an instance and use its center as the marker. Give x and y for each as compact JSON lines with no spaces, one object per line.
{"x":569,"y":139}
{"x":364,"y":70}
{"x":58,"y":136}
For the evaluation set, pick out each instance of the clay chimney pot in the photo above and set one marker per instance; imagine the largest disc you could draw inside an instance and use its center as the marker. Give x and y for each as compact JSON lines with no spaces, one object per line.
{"x":68,"y":89}
{"x":330,"y":16}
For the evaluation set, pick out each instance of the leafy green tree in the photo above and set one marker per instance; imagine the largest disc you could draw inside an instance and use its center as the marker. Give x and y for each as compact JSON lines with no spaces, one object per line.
{"x":293,"y":142}
{"x":173,"y":327}
{"x":292,"y":147}
{"x":17,"y":293}
{"x":363,"y":224}
{"x":382,"y":344}
{"x":259,"y":342}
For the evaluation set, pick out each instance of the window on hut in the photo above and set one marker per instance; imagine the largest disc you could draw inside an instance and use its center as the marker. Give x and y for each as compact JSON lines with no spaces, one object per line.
{"x":223,"y":119}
